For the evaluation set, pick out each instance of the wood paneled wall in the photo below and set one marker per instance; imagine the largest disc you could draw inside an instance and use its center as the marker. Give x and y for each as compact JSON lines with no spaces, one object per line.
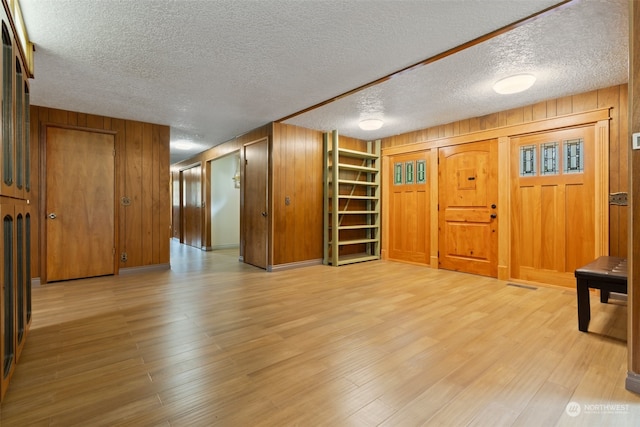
{"x":142,"y":170}
{"x":297,"y":175}
{"x":633,"y":334}
{"x":614,"y":98}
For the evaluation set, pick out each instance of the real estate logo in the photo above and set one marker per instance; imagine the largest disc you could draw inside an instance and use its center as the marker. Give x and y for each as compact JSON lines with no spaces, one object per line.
{"x":573,"y":409}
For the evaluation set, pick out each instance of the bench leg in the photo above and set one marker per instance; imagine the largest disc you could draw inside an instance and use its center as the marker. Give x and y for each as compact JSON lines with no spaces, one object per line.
{"x":584,"y":309}
{"x":604,"y":296}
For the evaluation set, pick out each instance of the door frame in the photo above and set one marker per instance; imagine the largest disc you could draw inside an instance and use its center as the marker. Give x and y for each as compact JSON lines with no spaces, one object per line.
{"x":42,"y":182}
{"x":202,"y":202}
{"x":269,"y":207}
{"x":599,"y":116}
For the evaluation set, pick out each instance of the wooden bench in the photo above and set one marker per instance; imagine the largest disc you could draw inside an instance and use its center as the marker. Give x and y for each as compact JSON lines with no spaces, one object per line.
{"x":607,"y":273}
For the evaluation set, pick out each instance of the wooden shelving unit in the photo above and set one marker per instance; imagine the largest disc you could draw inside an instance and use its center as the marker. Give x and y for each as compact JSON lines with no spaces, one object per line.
{"x":351,"y":202}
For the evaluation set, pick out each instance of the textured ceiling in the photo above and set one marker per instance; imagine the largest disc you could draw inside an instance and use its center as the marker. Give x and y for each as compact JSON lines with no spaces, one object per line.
{"x":577,"y":49}
{"x":216,"y":69}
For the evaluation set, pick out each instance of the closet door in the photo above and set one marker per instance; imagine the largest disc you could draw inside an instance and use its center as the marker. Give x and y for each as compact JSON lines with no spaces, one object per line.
{"x":409,"y":208}
{"x":553,"y":221}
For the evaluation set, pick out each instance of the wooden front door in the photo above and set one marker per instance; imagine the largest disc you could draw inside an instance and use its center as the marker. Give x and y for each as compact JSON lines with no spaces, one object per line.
{"x":79,"y":204}
{"x":192,"y":206}
{"x":553,"y":209}
{"x":255,"y":208}
{"x":409,"y":213}
{"x":468,"y":197}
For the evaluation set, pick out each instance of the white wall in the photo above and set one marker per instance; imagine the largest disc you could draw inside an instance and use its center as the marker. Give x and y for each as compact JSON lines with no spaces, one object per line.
{"x":225,"y":204}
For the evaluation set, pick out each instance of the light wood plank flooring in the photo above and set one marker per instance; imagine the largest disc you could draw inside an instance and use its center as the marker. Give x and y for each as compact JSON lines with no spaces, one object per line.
{"x":217,"y":342}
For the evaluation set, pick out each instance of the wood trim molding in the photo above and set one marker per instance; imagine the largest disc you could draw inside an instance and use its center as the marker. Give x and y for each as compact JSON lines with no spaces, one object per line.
{"x":434,"y":244}
{"x":384,"y":211}
{"x":504,"y":208}
{"x":288,"y":266}
{"x":602,"y":188}
{"x":633,"y":321}
{"x":544,"y":125}
{"x":144,"y":268}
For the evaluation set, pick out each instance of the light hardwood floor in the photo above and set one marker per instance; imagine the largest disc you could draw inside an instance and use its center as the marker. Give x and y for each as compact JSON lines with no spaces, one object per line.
{"x":217,"y":342}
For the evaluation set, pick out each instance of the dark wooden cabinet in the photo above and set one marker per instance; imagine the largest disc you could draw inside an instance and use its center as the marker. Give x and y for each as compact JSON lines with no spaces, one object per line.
{"x":15,"y":208}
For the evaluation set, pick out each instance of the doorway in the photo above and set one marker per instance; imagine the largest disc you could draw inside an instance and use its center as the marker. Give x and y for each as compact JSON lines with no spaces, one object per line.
{"x":255,"y":206}
{"x":79,"y":203}
{"x":192,"y":206}
{"x":225,"y":202}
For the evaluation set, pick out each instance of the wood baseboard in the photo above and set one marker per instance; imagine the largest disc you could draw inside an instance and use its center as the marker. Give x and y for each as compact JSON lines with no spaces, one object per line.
{"x":154,"y":267}
{"x":291,"y":265}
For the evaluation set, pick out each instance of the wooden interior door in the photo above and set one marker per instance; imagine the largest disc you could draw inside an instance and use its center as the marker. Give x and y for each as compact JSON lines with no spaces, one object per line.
{"x":255,"y":208}
{"x":192,"y":206}
{"x":409,"y":213}
{"x":468,"y":198}
{"x":79,"y":204}
{"x":553,"y":206}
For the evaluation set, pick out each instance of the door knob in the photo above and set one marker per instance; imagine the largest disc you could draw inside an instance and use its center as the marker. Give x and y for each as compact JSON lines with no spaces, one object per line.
{"x":52,"y":215}
{"x":264,"y":214}
{"x":494,"y":216}
{"x":493,"y":206}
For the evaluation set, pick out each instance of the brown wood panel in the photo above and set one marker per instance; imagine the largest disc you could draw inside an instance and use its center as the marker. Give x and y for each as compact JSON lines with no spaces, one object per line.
{"x":132,"y":238}
{"x":162,"y":202}
{"x":539,"y":111}
{"x":552,"y":108}
{"x":147,"y":195}
{"x":297,"y":172}
{"x":82,"y":120}
{"x":584,"y":101}
{"x":515,"y":116}
{"x":564,"y":105}
{"x":37,"y":115}
{"x":95,"y":122}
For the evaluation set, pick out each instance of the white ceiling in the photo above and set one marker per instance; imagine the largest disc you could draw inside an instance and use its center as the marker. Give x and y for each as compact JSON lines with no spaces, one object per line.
{"x":216,"y":69}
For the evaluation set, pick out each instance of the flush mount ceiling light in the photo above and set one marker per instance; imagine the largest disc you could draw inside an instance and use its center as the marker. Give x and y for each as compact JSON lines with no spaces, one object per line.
{"x":371,"y":124}
{"x":182,"y":145}
{"x":514,"y":84}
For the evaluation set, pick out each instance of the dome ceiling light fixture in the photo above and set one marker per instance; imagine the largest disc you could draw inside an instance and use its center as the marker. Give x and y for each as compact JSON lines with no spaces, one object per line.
{"x":514,"y":84}
{"x":371,"y":124}
{"x":182,"y":145}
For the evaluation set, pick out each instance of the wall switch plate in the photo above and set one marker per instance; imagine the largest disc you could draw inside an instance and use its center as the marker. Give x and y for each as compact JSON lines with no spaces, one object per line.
{"x":635,"y":141}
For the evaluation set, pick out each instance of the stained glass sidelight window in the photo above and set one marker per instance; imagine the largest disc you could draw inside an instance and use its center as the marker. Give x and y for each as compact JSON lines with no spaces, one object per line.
{"x":397,"y":173}
{"x":573,"y":156}
{"x":421,"y":171}
{"x":528,"y":160}
{"x":409,"y":173}
{"x":549,"y":160}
